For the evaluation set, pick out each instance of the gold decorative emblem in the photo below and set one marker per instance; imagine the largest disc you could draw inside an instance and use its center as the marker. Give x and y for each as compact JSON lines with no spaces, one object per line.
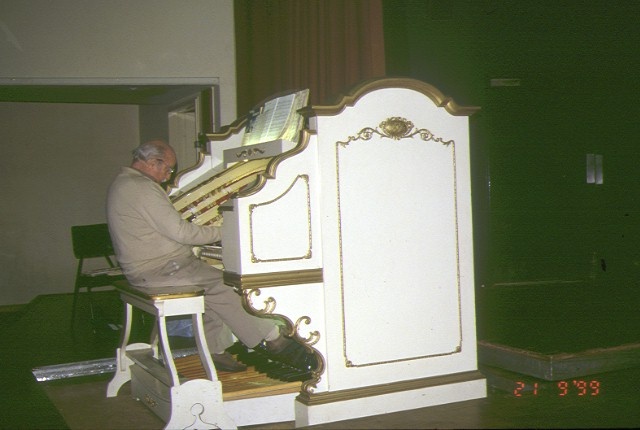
{"x":395,"y":128}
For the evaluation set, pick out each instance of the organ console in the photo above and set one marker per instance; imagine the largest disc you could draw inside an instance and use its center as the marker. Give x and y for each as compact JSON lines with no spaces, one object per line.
{"x":352,"y":224}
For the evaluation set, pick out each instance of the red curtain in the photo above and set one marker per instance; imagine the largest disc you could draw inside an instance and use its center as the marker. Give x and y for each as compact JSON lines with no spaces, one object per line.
{"x":324,"y":45}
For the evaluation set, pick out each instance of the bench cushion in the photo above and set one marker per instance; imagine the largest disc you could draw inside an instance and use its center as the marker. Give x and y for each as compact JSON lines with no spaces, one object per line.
{"x":159,"y":293}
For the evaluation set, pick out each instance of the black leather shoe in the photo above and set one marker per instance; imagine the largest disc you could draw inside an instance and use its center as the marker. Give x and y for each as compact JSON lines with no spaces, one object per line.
{"x":278,"y":345}
{"x":290,"y":352}
{"x":226,"y":363}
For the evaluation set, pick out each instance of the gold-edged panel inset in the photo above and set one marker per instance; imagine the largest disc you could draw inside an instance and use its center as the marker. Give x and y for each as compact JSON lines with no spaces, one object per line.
{"x":424,"y":277}
{"x":284,"y":220}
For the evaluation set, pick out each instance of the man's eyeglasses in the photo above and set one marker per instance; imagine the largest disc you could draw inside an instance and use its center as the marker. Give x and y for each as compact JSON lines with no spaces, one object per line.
{"x":171,"y":169}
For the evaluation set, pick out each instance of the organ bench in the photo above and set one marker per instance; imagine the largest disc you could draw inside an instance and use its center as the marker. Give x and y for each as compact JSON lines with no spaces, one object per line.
{"x":153,"y":374}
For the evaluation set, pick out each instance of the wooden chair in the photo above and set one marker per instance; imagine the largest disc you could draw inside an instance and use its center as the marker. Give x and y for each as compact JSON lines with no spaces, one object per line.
{"x":92,"y":242}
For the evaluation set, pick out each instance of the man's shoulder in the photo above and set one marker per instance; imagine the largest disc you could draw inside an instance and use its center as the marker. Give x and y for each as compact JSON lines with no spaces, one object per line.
{"x":131,"y":177}
{"x":126,"y":183}
{"x":132,"y":185}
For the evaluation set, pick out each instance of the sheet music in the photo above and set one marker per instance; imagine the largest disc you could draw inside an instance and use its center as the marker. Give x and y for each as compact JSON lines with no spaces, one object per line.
{"x":278,"y":119}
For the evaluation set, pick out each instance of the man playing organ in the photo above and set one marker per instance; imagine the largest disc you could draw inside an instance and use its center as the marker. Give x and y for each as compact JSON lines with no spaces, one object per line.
{"x":153,"y":245}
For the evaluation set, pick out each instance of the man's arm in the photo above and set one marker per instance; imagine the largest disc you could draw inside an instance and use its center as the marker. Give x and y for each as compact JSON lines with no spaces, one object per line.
{"x":161,"y":214}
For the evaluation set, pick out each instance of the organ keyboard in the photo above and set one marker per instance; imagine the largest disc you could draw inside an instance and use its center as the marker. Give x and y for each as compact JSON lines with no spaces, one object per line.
{"x":303,"y":220}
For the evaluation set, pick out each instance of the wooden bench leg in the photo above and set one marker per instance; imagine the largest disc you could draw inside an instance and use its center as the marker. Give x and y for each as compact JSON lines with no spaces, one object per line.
{"x":203,"y":348}
{"x":166,"y":351}
{"x":123,"y":374}
{"x":123,"y":368}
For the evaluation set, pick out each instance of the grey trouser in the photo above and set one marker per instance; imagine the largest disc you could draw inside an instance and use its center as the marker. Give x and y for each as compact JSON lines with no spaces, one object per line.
{"x":223,"y":306}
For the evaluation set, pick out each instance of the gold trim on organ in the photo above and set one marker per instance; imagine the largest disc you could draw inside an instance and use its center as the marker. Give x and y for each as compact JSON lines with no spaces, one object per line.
{"x":351,"y":99}
{"x":290,"y":330}
{"x":395,"y":128}
{"x":309,"y":398}
{"x":273,"y":279}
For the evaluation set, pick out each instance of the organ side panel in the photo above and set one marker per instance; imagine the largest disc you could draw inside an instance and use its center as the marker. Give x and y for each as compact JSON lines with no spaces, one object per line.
{"x":397,"y":253}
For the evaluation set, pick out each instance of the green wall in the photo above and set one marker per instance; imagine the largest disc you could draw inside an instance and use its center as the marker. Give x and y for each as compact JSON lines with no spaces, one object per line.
{"x":536,"y":219}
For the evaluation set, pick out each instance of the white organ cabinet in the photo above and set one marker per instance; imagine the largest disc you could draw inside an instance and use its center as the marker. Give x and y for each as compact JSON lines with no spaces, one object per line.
{"x":360,"y":235}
